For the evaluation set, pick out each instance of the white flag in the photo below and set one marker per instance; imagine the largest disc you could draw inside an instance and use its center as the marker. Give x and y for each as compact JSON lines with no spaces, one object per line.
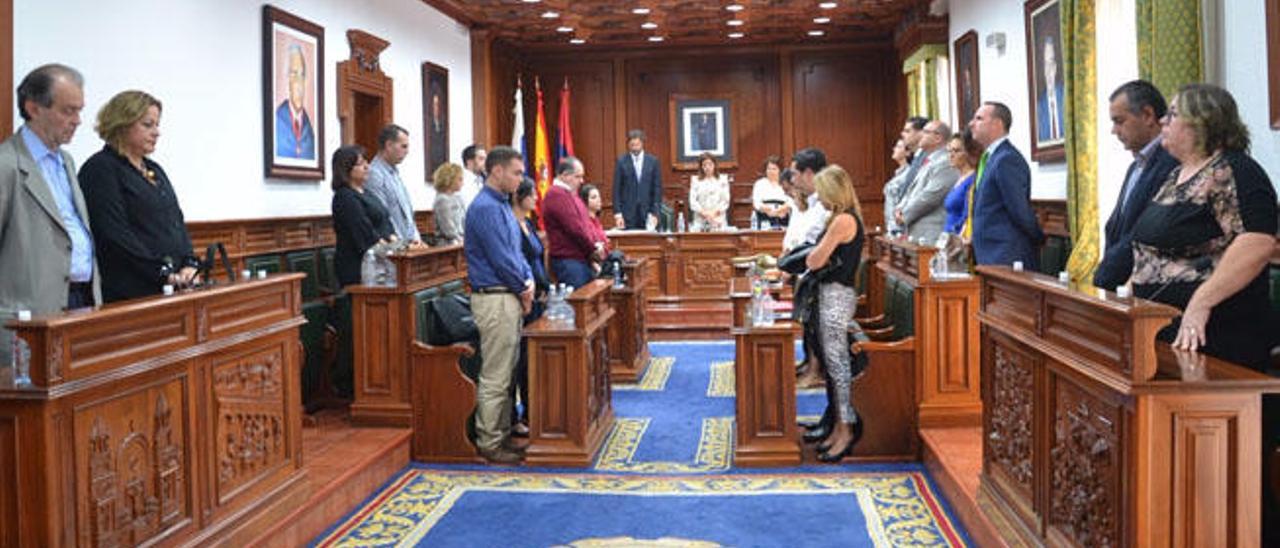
{"x":517,"y":129}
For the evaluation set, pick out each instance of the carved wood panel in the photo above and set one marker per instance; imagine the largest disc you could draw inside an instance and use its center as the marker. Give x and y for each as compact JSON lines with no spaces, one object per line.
{"x":130,"y":450}
{"x":551,"y":392}
{"x":250,"y":429}
{"x":599,"y":392}
{"x":94,"y":347}
{"x":8,"y":481}
{"x":1085,"y":458}
{"x":1011,"y":412}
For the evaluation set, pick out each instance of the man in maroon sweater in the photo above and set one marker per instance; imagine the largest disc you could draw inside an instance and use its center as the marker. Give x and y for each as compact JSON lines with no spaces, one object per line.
{"x":570,"y":233}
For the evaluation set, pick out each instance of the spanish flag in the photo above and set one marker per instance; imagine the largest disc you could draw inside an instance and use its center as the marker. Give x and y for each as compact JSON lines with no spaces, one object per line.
{"x":541,"y":152}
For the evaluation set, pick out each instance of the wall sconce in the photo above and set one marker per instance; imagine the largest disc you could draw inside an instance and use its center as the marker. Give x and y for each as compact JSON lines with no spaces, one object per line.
{"x":996,"y":40}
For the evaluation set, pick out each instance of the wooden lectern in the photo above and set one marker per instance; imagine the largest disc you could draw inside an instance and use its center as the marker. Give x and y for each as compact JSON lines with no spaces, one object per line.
{"x":628,"y":336}
{"x":163,"y":420}
{"x":1095,"y":435}
{"x":765,"y":406}
{"x":569,"y":393}
{"x":385,"y":323}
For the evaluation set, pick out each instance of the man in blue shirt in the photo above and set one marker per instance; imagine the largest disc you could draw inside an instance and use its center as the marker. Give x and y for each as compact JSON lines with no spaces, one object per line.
{"x":501,"y":294}
{"x":46,"y":247}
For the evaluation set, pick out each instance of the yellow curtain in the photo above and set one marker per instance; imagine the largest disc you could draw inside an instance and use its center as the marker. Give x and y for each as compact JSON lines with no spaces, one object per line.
{"x":913,"y":94}
{"x":921,"y":69}
{"x":1078,"y":44}
{"x":1169,"y":49}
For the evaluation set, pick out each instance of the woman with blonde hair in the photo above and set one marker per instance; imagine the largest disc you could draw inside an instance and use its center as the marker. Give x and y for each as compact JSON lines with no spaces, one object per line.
{"x":835,"y":262}
{"x":139,"y":233}
{"x":449,"y":209}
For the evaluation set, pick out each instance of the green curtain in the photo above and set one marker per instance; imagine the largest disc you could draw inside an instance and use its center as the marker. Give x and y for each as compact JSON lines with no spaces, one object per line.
{"x":921,"y":69}
{"x":1079,"y":42}
{"x":1169,"y":49}
{"x":913,"y":94}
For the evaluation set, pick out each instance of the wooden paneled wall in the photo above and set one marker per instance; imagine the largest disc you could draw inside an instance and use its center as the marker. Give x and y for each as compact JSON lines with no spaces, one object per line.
{"x":847,"y":100}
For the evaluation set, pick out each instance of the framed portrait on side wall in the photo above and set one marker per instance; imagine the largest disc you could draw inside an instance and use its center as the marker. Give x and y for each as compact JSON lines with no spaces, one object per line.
{"x":292,"y":96}
{"x":701,"y":125}
{"x":1273,"y":60}
{"x":968,"y":92}
{"x":435,"y":116}
{"x":1045,"y":80}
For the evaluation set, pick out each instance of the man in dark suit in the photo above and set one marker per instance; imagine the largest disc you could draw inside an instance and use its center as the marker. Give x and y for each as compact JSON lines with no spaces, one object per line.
{"x":637,"y":186}
{"x":1136,"y":110}
{"x":46,"y":245}
{"x":1001,"y":224}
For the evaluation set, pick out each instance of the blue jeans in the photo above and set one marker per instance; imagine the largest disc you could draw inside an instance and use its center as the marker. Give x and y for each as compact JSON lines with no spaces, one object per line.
{"x":575,"y":272}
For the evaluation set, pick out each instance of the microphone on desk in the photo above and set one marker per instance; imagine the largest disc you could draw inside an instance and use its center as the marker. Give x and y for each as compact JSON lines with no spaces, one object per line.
{"x":1199,"y":265}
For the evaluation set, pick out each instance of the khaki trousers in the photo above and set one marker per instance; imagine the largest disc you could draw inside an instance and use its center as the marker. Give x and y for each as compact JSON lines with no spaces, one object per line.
{"x":497,"y":316}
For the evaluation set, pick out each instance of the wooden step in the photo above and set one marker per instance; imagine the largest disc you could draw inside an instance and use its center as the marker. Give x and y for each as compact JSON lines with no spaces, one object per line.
{"x":345,"y":464}
{"x":953,"y":457}
{"x":689,"y":320}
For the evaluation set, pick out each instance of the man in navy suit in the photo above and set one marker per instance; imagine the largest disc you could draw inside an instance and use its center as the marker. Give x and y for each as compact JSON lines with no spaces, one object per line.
{"x":294,"y":136}
{"x":1136,"y":110}
{"x":1001,"y":225}
{"x":637,"y":186}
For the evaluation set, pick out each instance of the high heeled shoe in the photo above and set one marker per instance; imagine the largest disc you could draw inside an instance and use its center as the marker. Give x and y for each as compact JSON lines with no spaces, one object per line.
{"x":817,"y":434}
{"x":856,"y":434}
{"x":827,"y":457}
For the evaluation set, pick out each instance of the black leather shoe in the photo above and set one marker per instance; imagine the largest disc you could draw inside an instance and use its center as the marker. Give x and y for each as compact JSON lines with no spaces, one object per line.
{"x":817,"y":434}
{"x":830,"y":458}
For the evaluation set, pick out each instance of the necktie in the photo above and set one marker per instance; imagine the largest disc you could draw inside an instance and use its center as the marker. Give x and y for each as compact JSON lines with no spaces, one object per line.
{"x":967,"y":232}
{"x":297,"y":130}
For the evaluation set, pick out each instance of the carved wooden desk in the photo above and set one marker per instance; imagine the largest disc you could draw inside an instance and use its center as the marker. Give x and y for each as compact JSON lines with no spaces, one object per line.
{"x":1095,"y":435}
{"x":569,"y":393}
{"x":169,"y":420}
{"x":948,"y":372}
{"x":628,"y":333}
{"x":765,"y":406}
{"x":385,"y":324}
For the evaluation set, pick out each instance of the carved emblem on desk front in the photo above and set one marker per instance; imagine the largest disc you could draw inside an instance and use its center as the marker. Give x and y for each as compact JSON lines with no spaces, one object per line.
{"x":1009,"y":439}
{"x":250,"y":432}
{"x":707,"y":272}
{"x":1084,"y":463}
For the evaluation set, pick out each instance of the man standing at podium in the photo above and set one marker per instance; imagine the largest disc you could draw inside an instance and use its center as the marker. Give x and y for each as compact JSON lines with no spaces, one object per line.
{"x":501,"y":294}
{"x":637,"y":186}
{"x":46,"y":248}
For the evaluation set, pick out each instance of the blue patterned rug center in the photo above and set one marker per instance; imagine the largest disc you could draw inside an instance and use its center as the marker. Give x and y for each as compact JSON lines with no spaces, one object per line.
{"x":663,"y":478}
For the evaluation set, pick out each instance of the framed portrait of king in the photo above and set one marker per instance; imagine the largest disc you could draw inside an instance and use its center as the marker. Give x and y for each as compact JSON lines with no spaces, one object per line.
{"x":1045,"y":80}
{"x":292,"y":96}
{"x":701,"y":124}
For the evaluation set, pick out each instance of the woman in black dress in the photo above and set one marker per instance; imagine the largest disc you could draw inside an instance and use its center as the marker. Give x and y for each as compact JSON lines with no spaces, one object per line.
{"x":139,"y":234}
{"x":524,"y":204}
{"x":359,"y":220}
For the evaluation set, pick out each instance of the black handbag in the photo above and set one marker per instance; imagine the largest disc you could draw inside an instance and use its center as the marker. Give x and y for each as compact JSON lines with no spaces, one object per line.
{"x":450,"y":321}
{"x":794,"y":261}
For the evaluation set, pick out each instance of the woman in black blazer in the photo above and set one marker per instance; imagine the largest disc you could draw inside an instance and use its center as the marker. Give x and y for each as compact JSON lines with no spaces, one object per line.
{"x":359,"y":220}
{"x":139,"y":234}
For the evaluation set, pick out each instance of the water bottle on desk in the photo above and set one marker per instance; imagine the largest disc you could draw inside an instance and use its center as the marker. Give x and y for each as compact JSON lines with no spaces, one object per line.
{"x":766,"y":308}
{"x":368,"y":267}
{"x":21,"y":355}
{"x":680,"y":222}
{"x":567,"y":313}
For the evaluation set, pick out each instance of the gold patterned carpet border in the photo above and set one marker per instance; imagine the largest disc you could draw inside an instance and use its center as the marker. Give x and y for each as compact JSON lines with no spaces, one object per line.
{"x":654,"y":379}
{"x":723,"y":378}
{"x":715,"y":448}
{"x":900,"y":508}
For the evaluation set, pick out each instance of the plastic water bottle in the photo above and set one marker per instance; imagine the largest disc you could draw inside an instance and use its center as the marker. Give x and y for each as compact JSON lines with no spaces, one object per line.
{"x":554,"y":300}
{"x":766,"y":308}
{"x":617,"y":275}
{"x":369,"y":268}
{"x":755,"y":222}
{"x":387,"y":267}
{"x":680,"y":222}
{"x":566,"y":311}
{"x":21,"y":355}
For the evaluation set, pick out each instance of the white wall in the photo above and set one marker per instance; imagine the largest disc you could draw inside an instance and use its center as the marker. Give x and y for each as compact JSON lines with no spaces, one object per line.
{"x":1244,"y":70}
{"x":1003,"y":78}
{"x":202,"y":59}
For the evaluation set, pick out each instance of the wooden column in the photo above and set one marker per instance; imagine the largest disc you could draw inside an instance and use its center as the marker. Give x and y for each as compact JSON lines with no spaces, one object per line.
{"x":164,"y":420}
{"x":484,"y":100}
{"x":1096,"y":435}
{"x":765,"y":407}
{"x":572,"y":407}
{"x":628,"y":336}
{"x":385,"y":326}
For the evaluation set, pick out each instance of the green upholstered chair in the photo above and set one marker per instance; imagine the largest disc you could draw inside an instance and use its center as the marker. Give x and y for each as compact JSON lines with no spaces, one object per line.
{"x":270,"y":263}
{"x":312,"y":336}
{"x":452,"y":288}
{"x":327,"y":276}
{"x":420,"y":300}
{"x":904,"y":309}
{"x":306,"y":263}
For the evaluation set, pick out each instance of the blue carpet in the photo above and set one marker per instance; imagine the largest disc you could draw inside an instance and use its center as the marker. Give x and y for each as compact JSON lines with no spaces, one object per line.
{"x":665,"y":472}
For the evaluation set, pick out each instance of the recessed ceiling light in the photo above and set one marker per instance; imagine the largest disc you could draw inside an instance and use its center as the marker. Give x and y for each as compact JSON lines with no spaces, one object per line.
{"x":735,"y":22}
{"x":564,"y":29}
{"x":656,"y":38}
{"x":577,"y":41}
{"x":821,"y":20}
{"x":649,"y":25}
{"x":736,"y":35}
{"x":827,"y":5}
{"x":531,"y":1}
{"x":640,"y":11}
{"x":816,"y":33}
{"x":550,"y":15}
{"x":734,"y":7}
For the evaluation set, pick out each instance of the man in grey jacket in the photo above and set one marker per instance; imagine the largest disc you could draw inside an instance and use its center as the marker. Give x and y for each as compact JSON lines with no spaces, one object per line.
{"x":46,"y":246}
{"x":921,"y":210}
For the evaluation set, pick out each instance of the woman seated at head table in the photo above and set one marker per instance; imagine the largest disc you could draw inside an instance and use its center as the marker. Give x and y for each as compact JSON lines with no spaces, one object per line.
{"x":963,"y":152}
{"x":449,"y":210}
{"x":708,"y":196}
{"x":590,"y":195}
{"x":139,"y":234}
{"x":359,"y":220}
{"x":770,"y":201}
{"x":1208,"y":233}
